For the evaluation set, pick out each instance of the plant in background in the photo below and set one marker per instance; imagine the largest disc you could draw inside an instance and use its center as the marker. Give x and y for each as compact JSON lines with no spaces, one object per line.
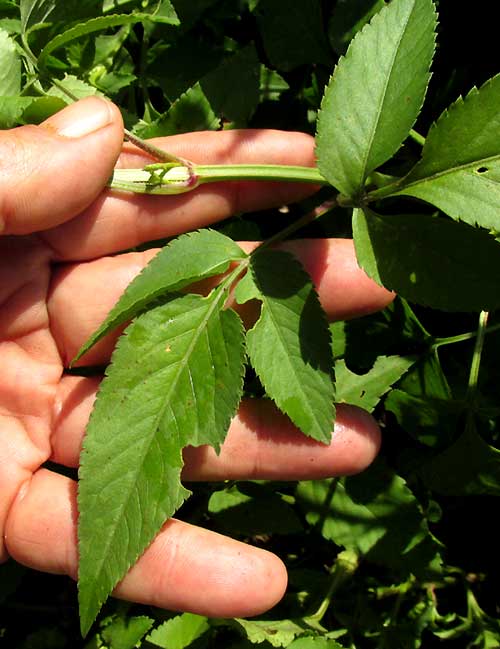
{"x":177,"y":371}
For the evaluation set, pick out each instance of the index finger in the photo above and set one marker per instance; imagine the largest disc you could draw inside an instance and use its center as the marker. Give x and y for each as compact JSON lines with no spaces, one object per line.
{"x":121,"y":220}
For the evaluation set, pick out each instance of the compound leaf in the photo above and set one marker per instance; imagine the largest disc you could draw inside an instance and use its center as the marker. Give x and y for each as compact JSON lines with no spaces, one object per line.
{"x":460,"y":167}
{"x":184,"y":260}
{"x":175,"y":379}
{"x":430,"y":260}
{"x":289,"y":346}
{"x":375,"y":93}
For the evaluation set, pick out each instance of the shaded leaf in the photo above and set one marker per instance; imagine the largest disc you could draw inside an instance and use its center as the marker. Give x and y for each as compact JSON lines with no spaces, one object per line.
{"x":233,"y":87}
{"x":175,"y":379}
{"x":11,"y":110}
{"x":188,"y":258}
{"x":467,"y":467}
{"x":192,"y":111}
{"x":289,"y":346}
{"x":292,"y":33}
{"x":366,"y":390}
{"x":430,"y":260}
{"x":374,"y":514}
{"x":460,"y":167}
{"x":179,"y":632}
{"x":259,"y":512}
{"x":375,"y":93}
{"x":348,"y":18}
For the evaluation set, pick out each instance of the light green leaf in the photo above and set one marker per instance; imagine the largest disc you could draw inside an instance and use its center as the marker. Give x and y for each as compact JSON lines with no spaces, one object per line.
{"x":165,"y":13}
{"x":184,"y":260}
{"x":11,"y":110}
{"x":366,"y":390}
{"x":271,"y":84}
{"x":88,"y":27}
{"x":375,"y":93}
{"x":192,"y":111}
{"x":470,"y":466}
{"x":10,"y":66}
{"x":279,"y":633}
{"x":40,"y":108}
{"x":289,"y":346}
{"x":74,"y":86}
{"x":175,"y":379}
{"x":430,"y":260}
{"x":460,"y":167}
{"x":179,"y":632}
{"x":34,"y":12}
{"x":125,"y":632}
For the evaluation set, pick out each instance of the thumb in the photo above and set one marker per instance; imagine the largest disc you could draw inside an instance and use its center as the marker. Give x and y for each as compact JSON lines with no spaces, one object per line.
{"x":51,"y":172}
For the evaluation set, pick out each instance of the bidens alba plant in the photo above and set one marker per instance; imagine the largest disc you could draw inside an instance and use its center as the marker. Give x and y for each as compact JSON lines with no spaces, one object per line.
{"x":176,"y":375}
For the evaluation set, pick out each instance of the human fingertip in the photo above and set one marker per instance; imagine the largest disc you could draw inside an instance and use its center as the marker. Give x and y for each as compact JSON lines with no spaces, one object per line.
{"x":82,"y":117}
{"x":357,"y":439}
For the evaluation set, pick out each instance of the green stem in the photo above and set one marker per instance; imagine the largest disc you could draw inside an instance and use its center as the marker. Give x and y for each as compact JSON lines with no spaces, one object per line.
{"x":416,"y":137}
{"x":438,"y":342}
{"x":476,"y":357}
{"x":345,"y":566}
{"x":178,"y":178}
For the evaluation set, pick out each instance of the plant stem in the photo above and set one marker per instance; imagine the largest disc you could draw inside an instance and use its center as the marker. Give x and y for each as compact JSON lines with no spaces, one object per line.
{"x":178,"y":178}
{"x":463,"y":337}
{"x":476,"y":357}
{"x":416,"y":137}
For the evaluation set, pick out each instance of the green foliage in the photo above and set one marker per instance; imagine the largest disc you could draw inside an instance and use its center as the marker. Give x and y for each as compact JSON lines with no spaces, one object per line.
{"x":375,"y":94}
{"x":375,"y":560}
{"x":289,"y":346}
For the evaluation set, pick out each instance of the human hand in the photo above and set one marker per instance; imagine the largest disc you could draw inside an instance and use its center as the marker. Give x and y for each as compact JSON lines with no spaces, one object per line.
{"x":57,"y":283}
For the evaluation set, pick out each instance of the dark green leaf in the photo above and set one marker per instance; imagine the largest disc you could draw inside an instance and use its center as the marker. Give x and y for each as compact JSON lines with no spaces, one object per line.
{"x":184,"y":260}
{"x":348,"y":18}
{"x":430,"y":260}
{"x":375,"y":93}
{"x":233,"y":88}
{"x":262,"y":512}
{"x":289,"y":346}
{"x":467,"y":467}
{"x":460,"y":167}
{"x":34,"y":12}
{"x":11,"y":110}
{"x":366,"y":390}
{"x":175,"y":379}
{"x":40,"y":108}
{"x":179,"y":632}
{"x":293,"y":33}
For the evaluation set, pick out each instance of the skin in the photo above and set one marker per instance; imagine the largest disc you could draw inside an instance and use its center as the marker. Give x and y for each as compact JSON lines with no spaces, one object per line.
{"x":60,"y":275}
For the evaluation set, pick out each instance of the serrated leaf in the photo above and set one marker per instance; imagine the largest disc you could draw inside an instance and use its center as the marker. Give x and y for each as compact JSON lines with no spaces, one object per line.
{"x":289,"y":346}
{"x":315,"y":642}
{"x":88,"y":27}
{"x":429,"y":260}
{"x":460,"y":167}
{"x":179,"y":632}
{"x":10,"y":66}
{"x":375,"y":93}
{"x":126,"y":632}
{"x":366,"y":390}
{"x":75,"y":86}
{"x":190,"y":112}
{"x":189,"y":258}
{"x":175,"y":379}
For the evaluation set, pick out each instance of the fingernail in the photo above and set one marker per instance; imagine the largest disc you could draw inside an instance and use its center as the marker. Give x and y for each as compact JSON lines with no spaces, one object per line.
{"x":81,"y":118}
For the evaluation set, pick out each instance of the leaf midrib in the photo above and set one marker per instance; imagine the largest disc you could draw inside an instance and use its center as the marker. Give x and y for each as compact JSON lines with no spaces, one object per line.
{"x":155,"y":428}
